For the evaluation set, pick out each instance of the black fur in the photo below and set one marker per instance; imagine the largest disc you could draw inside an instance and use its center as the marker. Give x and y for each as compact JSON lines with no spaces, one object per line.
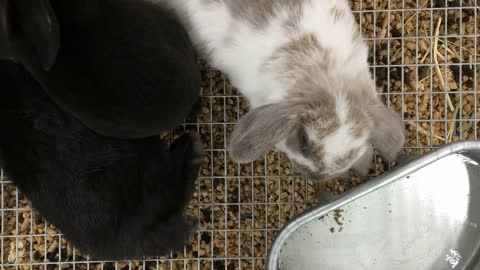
{"x":125,"y":68}
{"x":28,"y":32}
{"x":112,"y":198}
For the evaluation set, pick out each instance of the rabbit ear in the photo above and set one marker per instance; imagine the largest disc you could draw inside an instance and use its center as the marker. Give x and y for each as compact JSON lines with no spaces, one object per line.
{"x":259,"y":131}
{"x":40,"y":30}
{"x":388,"y":134}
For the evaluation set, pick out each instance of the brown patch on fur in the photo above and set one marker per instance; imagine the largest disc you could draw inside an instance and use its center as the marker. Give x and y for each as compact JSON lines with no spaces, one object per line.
{"x":260,"y":12}
{"x":315,"y":109}
{"x":312,"y":98}
{"x":295,"y":57}
{"x":358,"y":119}
{"x":310,"y":95}
{"x":293,"y":20}
{"x":303,"y":45}
{"x":337,"y":13}
{"x":343,"y":161}
{"x":360,"y":96}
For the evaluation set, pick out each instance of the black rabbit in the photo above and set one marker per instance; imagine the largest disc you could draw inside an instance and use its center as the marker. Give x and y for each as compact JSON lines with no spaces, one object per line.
{"x":124,"y":68}
{"x":112,"y":198}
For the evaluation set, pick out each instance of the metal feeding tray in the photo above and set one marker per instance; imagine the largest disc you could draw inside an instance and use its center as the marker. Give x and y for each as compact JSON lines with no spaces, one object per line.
{"x":423,"y":215}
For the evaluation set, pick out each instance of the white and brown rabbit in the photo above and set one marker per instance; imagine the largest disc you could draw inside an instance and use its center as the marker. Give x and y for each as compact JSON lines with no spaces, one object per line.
{"x":302,"y":65}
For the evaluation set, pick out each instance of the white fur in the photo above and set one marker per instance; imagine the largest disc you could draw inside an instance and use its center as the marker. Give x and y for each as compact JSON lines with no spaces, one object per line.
{"x":240,"y":50}
{"x":336,"y":146}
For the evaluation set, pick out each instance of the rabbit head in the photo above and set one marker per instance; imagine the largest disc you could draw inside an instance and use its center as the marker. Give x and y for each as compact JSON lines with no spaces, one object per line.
{"x":323,"y":135}
{"x":326,"y":125}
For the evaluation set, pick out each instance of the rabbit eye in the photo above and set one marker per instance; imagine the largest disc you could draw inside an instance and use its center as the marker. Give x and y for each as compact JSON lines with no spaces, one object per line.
{"x":303,"y":137}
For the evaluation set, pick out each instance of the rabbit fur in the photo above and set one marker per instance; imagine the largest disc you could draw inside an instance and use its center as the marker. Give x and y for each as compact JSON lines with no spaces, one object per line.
{"x":124,"y":68}
{"x":112,"y":198}
{"x":302,"y":66}
{"x":29,"y":31}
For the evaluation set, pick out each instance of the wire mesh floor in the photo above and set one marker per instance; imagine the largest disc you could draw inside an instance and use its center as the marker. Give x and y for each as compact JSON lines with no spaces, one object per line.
{"x":426,"y":60}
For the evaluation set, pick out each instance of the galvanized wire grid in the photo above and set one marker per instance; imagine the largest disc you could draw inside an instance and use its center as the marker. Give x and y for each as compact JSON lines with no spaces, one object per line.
{"x":241,"y":207}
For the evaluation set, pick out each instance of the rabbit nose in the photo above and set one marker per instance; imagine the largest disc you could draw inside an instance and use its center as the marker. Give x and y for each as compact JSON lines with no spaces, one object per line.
{"x":321,"y":176}
{"x":315,"y":175}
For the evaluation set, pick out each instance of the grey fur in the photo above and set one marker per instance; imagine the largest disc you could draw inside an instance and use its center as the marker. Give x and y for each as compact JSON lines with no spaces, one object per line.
{"x":259,"y":131}
{"x":388,"y":134}
{"x":259,"y":12}
{"x":363,"y":163}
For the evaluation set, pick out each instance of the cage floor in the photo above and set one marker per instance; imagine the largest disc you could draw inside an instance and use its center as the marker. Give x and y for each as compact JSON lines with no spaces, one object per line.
{"x":426,"y":60}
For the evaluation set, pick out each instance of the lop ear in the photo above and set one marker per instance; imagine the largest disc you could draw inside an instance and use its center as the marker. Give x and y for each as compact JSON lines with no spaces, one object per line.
{"x":388,"y":133}
{"x":40,"y":30}
{"x":259,"y":131}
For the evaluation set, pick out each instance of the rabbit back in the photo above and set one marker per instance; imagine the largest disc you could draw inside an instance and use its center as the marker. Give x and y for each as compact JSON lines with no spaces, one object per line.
{"x":125,"y":68}
{"x":302,"y":65}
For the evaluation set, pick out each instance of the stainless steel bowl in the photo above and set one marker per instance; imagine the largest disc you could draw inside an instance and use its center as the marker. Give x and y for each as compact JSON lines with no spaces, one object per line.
{"x":423,"y":215}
